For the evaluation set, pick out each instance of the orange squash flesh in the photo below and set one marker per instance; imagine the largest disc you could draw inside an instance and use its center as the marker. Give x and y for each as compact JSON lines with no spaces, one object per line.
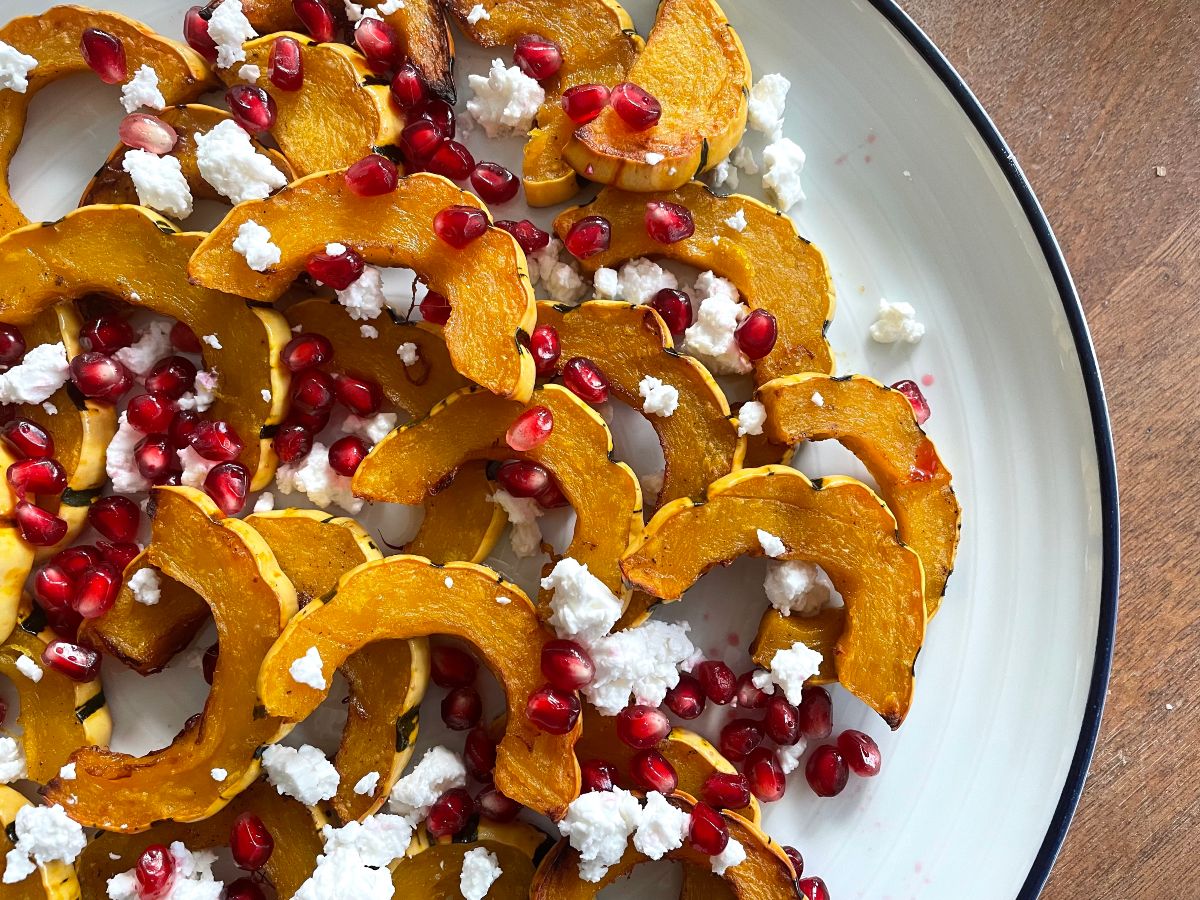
{"x":407,"y":596}
{"x":820,"y":632}
{"x":434,"y":873}
{"x":54,"y":881}
{"x":877,"y":424}
{"x":836,"y":523}
{"x":461,"y":522}
{"x":773,"y":267}
{"x":487,"y":282}
{"x":695,"y":66}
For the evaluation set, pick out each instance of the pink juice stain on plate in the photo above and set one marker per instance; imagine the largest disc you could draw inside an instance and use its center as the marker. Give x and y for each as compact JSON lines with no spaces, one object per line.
{"x":927,"y":379}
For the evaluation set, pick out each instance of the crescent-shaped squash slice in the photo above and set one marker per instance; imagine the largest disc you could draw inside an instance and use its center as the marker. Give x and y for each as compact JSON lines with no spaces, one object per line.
{"x":765,"y":874}
{"x":695,"y":66}
{"x":57,"y":715}
{"x":877,"y":424}
{"x":434,"y":872}
{"x":387,"y":679}
{"x":598,"y":44}
{"x":820,"y":632}
{"x":130,"y":253}
{"x":461,"y":522}
{"x":227,"y":563}
{"x":406,"y":597}
{"x":294,"y":826}
{"x":52,"y":38}
{"x":55,"y":881}
{"x":773,"y":267}
{"x":487,"y":282}
{"x":470,"y":425}
{"x":112,"y":184}
{"x":837,"y":523}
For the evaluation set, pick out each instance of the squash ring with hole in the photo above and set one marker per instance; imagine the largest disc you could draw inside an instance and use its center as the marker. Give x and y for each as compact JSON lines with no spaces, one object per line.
{"x":56,"y":880}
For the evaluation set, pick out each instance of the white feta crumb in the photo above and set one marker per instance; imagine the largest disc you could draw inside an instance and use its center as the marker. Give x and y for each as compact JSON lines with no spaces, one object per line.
{"x":354,"y":11}
{"x":266,"y":395}
{"x":49,"y":408}
{"x":409,"y":353}
{"x":254,"y":243}
{"x":203,"y":392}
{"x":265,"y":502}
{"x":212,"y":340}
{"x":771,"y":545}
{"x":789,"y":668}
{"x":766,"y":104}
{"x":142,"y":90}
{"x":42,"y":372}
{"x":219,"y":774}
{"x":733,"y":855}
{"x":119,"y":462}
{"x":152,"y":345}
{"x":480,"y":869}
{"x":12,"y":761}
{"x":307,"y":670}
{"x":15,"y":67}
{"x":229,"y":29}
{"x":560,"y":280}
{"x":387,"y":7}
{"x":366,"y":785}
{"x":27,"y":667}
{"x":336,"y":249}
{"x":159,"y":182}
{"x":370,"y":332}
{"x":67,"y":772}
{"x":599,"y":825}
{"x":506,"y":100}
{"x":643,"y":662}
{"x":795,"y":586}
{"x":737,"y":221}
{"x":637,"y":281}
{"x":249,"y":73}
{"x":314,"y":477}
{"x":504,"y":601}
{"x":582,"y":608}
{"x":448,"y":581}
{"x":364,"y":298}
{"x":724,"y":174}
{"x":783,"y":161}
{"x":743,"y":158}
{"x":658,"y":398}
{"x":896,"y":322}
{"x":751,"y":418}
{"x":227,"y":160}
{"x":193,"y":878}
{"x":438,"y":771}
{"x":663,"y":827}
{"x":712,"y":338}
{"x":654,"y":158}
{"x":195,"y":467}
{"x":817,"y":399}
{"x":789,"y":756}
{"x":44,"y":834}
{"x":373,"y":428}
{"x":355,"y":860}
{"x":146,"y":586}
{"x":477,"y":14}
{"x":606,"y":283}
{"x":302,"y":773}
{"x":652,"y":483}
{"x":523,"y":513}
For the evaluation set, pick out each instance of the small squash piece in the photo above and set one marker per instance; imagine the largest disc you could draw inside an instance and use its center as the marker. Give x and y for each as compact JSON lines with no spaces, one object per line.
{"x":773,"y":267}
{"x":52,"y":38}
{"x":694,"y":65}
{"x":54,"y":881}
{"x":407,"y":596}
{"x":433,"y":871}
{"x":877,"y":424}
{"x":461,"y":522}
{"x":412,"y":461}
{"x":131,"y":253}
{"x":836,"y":523}
{"x":598,"y":44}
{"x":227,"y":563}
{"x":487,"y":282}
{"x":820,"y":632}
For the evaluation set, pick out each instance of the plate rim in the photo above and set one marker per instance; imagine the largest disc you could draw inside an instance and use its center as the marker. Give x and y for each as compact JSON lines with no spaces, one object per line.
{"x":1085,"y":747}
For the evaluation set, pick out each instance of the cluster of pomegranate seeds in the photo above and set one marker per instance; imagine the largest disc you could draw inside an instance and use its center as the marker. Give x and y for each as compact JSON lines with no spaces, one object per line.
{"x":145,"y":132}
{"x":155,"y":873}
{"x":184,"y":339}
{"x":707,"y":831}
{"x":546,"y":349}
{"x":250,"y":842}
{"x":529,"y":236}
{"x":584,"y":102}
{"x":757,"y":334}
{"x":726,"y":790}
{"x":26,"y":438}
{"x":530,"y":429}
{"x":813,"y":888}
{"x":494,"y":183}
{"x":316,"y":17}
{"x":675,"y":308}
{"x":378,"y":42}
{"x":12,"y":345}
{"x":637,"y":107}
{"x":585,"y":380}
{"x":458,"y":226}
{"x":38,"y":527}
{"x":105,"y":55}
{"x":151,"y":413}
{"x":117,"y":518}
{"x":450,"y":813}
{"x":244,"y":889}
{"x":408,"y":87}
{"x":106,"y":334}
{"x":687,"y":698}
{"x":252,"y":107}
{"x":589,"y":236}
{"x":195,"y":32}
{"x":171,"y":376}
{"x":912,"y":391}
{"x":44,"y":477}
{"x":552,"y":710}
{"x":641,"y":727}
{"x":100,"y":377}
{"x":75,"y":662}
{"x":479,"y":754}
{"x":372,"y":176}
{"x":285,"y":67}
{"x":537,"y":57}
{"x":668,"y":223}
{"x":227,"y":484}
{"x":435,"y":308}
{"x":597,"y":775}
{"x":494,"y":805}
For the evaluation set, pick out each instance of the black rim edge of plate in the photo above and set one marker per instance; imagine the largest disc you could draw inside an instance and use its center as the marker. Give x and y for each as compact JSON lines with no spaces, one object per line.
{"x":1101,"y":427}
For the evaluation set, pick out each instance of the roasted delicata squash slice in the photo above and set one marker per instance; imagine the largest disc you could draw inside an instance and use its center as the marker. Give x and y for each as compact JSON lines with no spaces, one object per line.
{"x":598,"y":44}
{"x":53,"y":38}
{"x":836,"y":523}
{"x":470,"y":425}
{"x":387,"y":679}
{"x":773,"y":267}
{"x":461,"y":522}
{"x":487,"y":282}
{"x":53,"y":881}
{"x":112,"y":184}
{"x":132,"y":254}
{"x":434,"y":870}
{"x":821,"y":632}
{"x":877,"y":424}
{"x":227,"y":563}
{"x":695,"y":66}
{"x":294,"y":826}
{"x":406,"y":596}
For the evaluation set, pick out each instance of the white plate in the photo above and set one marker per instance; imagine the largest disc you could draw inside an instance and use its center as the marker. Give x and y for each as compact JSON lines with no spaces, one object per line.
{"x":912,"y":195}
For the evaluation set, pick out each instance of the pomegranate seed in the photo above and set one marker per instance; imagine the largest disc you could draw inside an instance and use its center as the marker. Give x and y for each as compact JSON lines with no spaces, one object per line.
{"x":796,"y":859}
{"x":317,"y":19}
{"x":913,"y":394}
{"x":44,"y":477}
{"x":336,"y":270}
{"x":182,"y":427}
{"x":38,"y":527}
{"x":250,"y":842}
{"x":546,"y":350}
{"x":552,"y":710}
{"x":120,"y":554}
{"x":184,"y":339}
{"x":117,"y":518}
{"x":585,"y":380}
{"x":372,"y":176}
{"x":860,"y":752}
{"x":106,"y":334}
{"x":479,"y":754}
{"x":782,"y":721}
{"x":597,"y":775}
{"x":305,"y":351}
{"x":151,"y":413}
{"x":12,"y":344}
{"x":64,"y":622}
{"x":347,"y":453}
{"x":361,"y":396}
{"x":494,"y":183}
{"x":686,"y":699}
{"x":566,"y":665}
{"x":252,"y":107}
{"x":172,"y":376}
{"x":637,"y":108}
{"x":97,"y":591}
{"x":738,"y":738}
{"x":155,"y":457}
{"x":523,"y":478}
{"x":77,"y":560}
{"x":419,"y":140}
{"x":145,"y":132}
{"x":435,"y":308}
{"x":726,"y":790}
{"x":925,"y":466}
{"x":668,"y":223}
{"x":216,"y":441}
{"x":551,"y":497}
{"x":293,"y":443}
{"x":589,"y":236}
{"x":378,"y":42}
{"x":707,"y":831}
{"x":451,"y":160}
{"x":537,"y":57}
{"x":312,"y":390}
{"x":452,"y":811}
{"x":531,"y":428}
{"x":675,"y":307}
{"x":27,"y":439}
{"x":439,"y":113}
{"x":155,"y":873}
{"x":651,"y":771}
{"x":750,"y":696}
{"x":244,"y":889}
{"x":105,"y":55}
{"x":529,"y":236}
{"x":584,"y":102}
{"x":816,"y":714}
{"x":452,"y":667}
{"x":100,"y":377}
{"x":53,"y":586}
{"x":195,"y":32}
{"x":462,"y":708}
{"x":717,"y":679}
{"x":495,"y":806}
{"x":757,"y":334}
{"x":285,"y":67}
{"x":826,"y":771}
{"x":408,"y":87}
{"x":208,"y":664}
{"x":765,"y":775}
{"x":642,"y":726}
{"x":227,"y":484}
{"x":458,"y":226}
{"x":813,"y":888}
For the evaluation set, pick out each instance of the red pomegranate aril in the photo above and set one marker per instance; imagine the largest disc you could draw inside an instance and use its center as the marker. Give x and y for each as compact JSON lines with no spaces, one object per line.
{"x":546,"y":349}
{"x":347,"y":453}
{"x":925,"y":466}
{"x":216,"y":440}
{"x":795,"y":858}
{"x":316,"y":18}
{"x":749,"y":695}
{"x":314,"y":422}
{"x":154,"y":873}
{"x":243,"y":889}
{"x":450,"y":813}
{"x":43,"y":477}
{"x":816,"y":714}
{"x":117,"y":518}
{"x":585,"y":380}
{"x":184,"y":339}
{"x":155,"y":457}
{"x":675,"y":307}
{"x":584,"y":102}
{"x":106,"y":334}
{"x":378,"y":42}
{"x":765,"y":775}
{"x":335,"y":270}
{"x":566,"y":665}
{"x":717,"y":679}
{"x":372,"y":176}
{"x":420,"y":139}
{"x":589,"y":236}
{"x":597,"y":775}
{"x":552,"y":497}
{"x":361,"y":396}
{"x":738,"y":738}
{"x":408,"y":87}
{"x":640,"y":726}
{"x":782,"y":720}
{"x":451,"y":160}
{"x":292,"y":443}
{"x":227,"y":484}
{"x":208,"y":663}
{"x":105,"y":55}
{"x":537,"y":57}
{"x":100,"y":377}
{"x":27,"y":439}
{"x":668,"y":223}
{"x":726,"y":790}
{"x":439,"y":113}
{"x":76,"y":662}
{"x":306,"y":351}
{"x":637,"y":108}
{"x":252,"y":107}
{"x":757,"y":334}
{"x":250,"y":842}
{"x":860,"y":752}
{"x":53,"y":586}
{"x":552,"y":710}
{"x":462,"y":709}
{"x":313,"y":391}
{"x":12,"y":344}
{"x":651,"y":771}
{"x":494,"y":805}
{"x":285,"y":67}
{"x":531,"y":428}
{"x":707,"y":831}
{"x":151,"y":413}
{"x":529,"y":236}
{"x":182,"y":428}
{"x":523,"y":478}
{"x":171,"y":376}
{"x":145,"y":132}
{"x":812,"y":888}
{"x":38,"y":527}
{"x":494,"y":183}
{"x":77,"y":560}
{"x":452,"y":667}
{"x":479,"y":754}
{"x":435,"y":308}
{"x":686,"y":699}
{"x":195,"y":32}
{"x":120,"y":553}
{"x":826,"y":771}
{"x":458,"y":226}
{"x":97,"y":591}
{"x":913,"y":393}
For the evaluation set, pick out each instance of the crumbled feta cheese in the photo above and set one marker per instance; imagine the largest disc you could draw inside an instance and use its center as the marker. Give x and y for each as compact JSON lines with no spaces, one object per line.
{"x":766,"y":103}
{"x":44,"y":834}
{"x":642,"y":661}
{"x":712,"y":337}
{"x":652,"y":483}
{"x":212,"y":340}
{"x":249,"y":73}
{"x":42,"y":372}
{"x":12,"y":760}
{"x":118,"y":459}
{"x":195,"y":467}
{"x":193,"y":878}
{"x":265,"y":502}
{"x":67,"y":772}
{"x":354,"y":11}
{"x":743,"y":158}
{"x":789,"y":756}
{"x":227,"y":160}
{"x":302,"y":773}
{"x":582,"y":607}
{"x":15,"y":67}
{"x":438,"y":771}
{"x":789,"y":668}
{"x":336,"y":249}
{"x":480,"y":869}
{"x":504,"y":601}
{"x":637,"y":282}
{"x":370,"y":332}
{"x":658,"y":399}
{"x":376,"y":842}
{"x":354,"y":863}
{"x":506,"y":100}
{"x":146,"y":587}
{"x":606,"y":283}
{"x":654,"y":158}
{"x":314,"y":477}
{"x":663,"y":827}
{"x":387,"y":7}
{"x":817,"y":399}
{"x":449,"y":582}
{"x":751,"y":418}
{"x":373,"y":428}
{"x":307,"y":670}
{"x":366,"y":785}
{"x":364,"y":297}
{"x":27,"y":667}
{"x":203,"y":392}
{"x":477,"y":14}
{"x":159,"y":182}
{"x":50,"y":408}
{"x":733,"y":855}
{"x":771,"y":545}
{"x":559,"y":279}
{"x":142,"y":90}
{"x":266,"y":395}
{"x":737,"y":221}
{"x":896,"y":322}
{"x":152,"y":345}
{"x":254,"y":243}
{"x":795,"y":586}
{"x":724,"y":174}
{"x":523,"y":513}
{"x":409,"y":353}
{"x":599,"y":824}
{"x":783,"y":162}
{"x":229,"y":29}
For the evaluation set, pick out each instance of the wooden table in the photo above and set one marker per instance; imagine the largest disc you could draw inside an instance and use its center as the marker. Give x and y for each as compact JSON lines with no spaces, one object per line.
{"x":1100,"y":101}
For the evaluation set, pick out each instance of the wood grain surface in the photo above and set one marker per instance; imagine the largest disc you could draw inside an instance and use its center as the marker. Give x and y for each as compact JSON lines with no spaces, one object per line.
{"x":1100,"y":101}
